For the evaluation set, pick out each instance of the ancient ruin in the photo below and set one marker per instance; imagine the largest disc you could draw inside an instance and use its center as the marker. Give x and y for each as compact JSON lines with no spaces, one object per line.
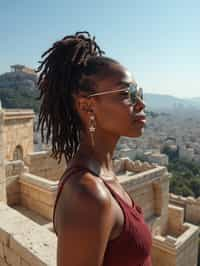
{"x":28,"y":186}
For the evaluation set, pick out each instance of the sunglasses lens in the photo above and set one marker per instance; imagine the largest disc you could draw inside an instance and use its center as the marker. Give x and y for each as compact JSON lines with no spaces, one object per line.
{"x":140,"y":93}
{"x":135,"y":93}
{"x":132,"y":93}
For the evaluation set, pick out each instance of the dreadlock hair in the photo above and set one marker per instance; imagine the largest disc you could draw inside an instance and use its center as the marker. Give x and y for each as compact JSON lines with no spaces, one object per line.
{"x":67,"y":69}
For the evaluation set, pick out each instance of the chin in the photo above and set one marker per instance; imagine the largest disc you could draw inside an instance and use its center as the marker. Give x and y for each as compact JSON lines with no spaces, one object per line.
{"x":135,"y":133}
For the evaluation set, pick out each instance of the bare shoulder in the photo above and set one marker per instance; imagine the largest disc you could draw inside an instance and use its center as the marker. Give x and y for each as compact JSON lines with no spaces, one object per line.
{"x":86,"y":220}
{"x":83,"y":196}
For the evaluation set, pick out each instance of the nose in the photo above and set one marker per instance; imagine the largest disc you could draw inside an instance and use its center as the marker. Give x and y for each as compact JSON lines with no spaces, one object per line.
{"x":139,"y":105}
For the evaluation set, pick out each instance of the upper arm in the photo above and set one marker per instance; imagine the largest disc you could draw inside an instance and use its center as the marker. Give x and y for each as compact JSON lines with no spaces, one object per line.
{"x":85,"y":228}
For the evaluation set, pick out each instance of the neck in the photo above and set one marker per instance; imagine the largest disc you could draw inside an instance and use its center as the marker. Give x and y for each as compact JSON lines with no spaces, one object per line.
{"x":99,"y":157}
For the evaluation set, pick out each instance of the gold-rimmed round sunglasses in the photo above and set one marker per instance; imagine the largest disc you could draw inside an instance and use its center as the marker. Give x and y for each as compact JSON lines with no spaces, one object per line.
{"x":134,"y":93}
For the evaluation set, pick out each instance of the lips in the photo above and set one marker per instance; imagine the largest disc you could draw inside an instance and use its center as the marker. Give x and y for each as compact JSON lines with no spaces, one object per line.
{"x":140,"y":118}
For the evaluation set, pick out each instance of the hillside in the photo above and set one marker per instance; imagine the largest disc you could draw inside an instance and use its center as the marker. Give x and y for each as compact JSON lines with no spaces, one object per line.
{"x":19,"y":90}
{"x":168,"y":102}
{"x":16,"y":80}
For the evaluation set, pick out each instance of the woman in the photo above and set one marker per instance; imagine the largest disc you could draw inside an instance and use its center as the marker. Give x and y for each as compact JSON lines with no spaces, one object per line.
{"x":88,"y":102}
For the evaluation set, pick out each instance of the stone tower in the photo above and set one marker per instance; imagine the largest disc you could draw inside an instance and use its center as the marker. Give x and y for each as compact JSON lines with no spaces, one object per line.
{"x":2,"y":168}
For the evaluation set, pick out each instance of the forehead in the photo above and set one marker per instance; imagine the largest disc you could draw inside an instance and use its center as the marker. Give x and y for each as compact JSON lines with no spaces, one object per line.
{"x":115,"y":77}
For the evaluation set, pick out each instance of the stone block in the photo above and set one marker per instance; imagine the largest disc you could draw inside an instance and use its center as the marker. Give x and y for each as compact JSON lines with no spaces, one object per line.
{"x":24,"y":263}
{"x":34,"y":194}
{"x":25,"y":200}
{"x":46,"y":211}
{"x":4,"y":236}
{"x":13,"y":199}
{"x":37,"y":246}
{"x":47,"y":197}
{"x":1,"y":250}
{"x":13,"y":187}
{"x":3,"y":262}
{"x":12,"y":258}
{"x":24,"y":251}
{"x":24,"y":189}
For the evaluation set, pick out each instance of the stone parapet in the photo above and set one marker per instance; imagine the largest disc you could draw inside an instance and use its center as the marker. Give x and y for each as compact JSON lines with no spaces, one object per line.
{"x":38,"y":194}
{"x":175,"y":220}
{"x":23,"y":242}
{"x":125,"y":164}
{"x":41,"y":164}
{"x":2,"y":155}
{"x":42,"y":183}
{"x":13,"y":170}
{"x":191,"y":207}
{"x":149,"y":189}
{"x":176,"y":251}
{"x":130,"y":179}
{"x":18,"y":114}
{"x":17,"y":133}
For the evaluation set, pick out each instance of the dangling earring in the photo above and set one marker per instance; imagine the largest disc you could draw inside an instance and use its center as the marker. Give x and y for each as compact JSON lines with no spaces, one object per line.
{"x":92,"y":128}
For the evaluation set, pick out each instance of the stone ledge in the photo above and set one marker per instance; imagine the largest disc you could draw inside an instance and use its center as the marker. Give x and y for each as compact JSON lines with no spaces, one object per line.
{"x":13,"y":167}
{"x":171,"y":244}
{"x":136,"y":180}
{"x":43,"y":183}
{"x":18,"y":114}
{"x":184,"y":200}
{"x":30,"y":241}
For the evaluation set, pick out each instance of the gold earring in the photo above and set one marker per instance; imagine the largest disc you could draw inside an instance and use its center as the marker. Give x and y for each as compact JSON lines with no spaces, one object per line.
{"x":92,"y":128}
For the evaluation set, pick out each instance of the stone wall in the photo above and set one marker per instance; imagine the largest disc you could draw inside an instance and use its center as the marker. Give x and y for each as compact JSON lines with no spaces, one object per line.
{"x":149,"y":189}
{"x":41,"y":164}
{"x":2,"y":168}
{"x":191,"y":207}
{"x":18,"y":133}
{"x":175,"y":220}
{"x":13,"y":171}
{"x":38,"y":194}
{"x":180,"y":251}
{"x":23,"y":242}
{"x":30,"y":191}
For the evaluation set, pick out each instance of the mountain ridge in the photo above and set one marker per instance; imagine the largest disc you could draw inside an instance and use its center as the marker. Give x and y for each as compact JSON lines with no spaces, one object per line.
{"x":21,"y":88}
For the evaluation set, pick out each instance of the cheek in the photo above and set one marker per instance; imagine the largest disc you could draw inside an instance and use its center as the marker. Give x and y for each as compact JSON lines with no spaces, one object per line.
{"x":114,"y":116}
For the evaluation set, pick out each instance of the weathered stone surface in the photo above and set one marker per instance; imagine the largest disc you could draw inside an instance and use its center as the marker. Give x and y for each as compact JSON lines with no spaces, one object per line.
{"x":190,"y":205}
{"x":26,"y":240}
{"x":26,"y":243}
{"x":18,"y":128}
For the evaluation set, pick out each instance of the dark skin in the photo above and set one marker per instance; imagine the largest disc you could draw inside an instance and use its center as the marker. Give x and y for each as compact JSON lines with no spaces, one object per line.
{"x":87,"y":216}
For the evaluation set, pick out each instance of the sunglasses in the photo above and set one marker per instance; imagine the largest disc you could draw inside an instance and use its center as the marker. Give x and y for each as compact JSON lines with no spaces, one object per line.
{"x":134,"y":93}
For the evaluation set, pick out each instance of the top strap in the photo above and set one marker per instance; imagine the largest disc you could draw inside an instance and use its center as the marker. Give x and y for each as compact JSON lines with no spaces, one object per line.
{"x":72,"y":170}
{"x":114,"y":193}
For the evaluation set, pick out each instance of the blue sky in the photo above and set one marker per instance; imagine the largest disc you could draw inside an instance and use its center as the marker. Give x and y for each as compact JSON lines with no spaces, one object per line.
{"x":158,"y":41}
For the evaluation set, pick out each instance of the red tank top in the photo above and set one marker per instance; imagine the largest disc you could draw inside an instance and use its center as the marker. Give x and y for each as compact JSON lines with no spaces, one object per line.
{"x":133,"y":246}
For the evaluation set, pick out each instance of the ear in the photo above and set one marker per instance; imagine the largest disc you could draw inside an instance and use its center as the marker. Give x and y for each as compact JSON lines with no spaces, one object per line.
{"x":85,"y":105}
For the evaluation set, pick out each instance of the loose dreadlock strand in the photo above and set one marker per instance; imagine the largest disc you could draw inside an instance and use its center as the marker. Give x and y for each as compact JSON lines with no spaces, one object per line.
{"x":60,"y":72}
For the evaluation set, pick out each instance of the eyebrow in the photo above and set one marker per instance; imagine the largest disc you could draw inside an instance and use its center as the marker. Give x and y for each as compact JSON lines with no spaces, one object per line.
{"x":125,"y":83}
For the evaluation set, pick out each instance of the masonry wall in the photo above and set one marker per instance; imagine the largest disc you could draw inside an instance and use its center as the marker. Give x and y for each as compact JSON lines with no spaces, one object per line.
{"x":145,"y":197}
{"x":13,"y":171}
{"x":180,"y":251}
{"x":161,"y":257}
{"x":41,"y":164}
{"x":150,"y":190}
{"x":23,"y":242}
{"x":191,"y":207}
{"x":175,"y":220}
{"x":18,"y":131}
{"x":187,"y":254}
{"x":2,"y":169}
{"x":38,"y":194}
